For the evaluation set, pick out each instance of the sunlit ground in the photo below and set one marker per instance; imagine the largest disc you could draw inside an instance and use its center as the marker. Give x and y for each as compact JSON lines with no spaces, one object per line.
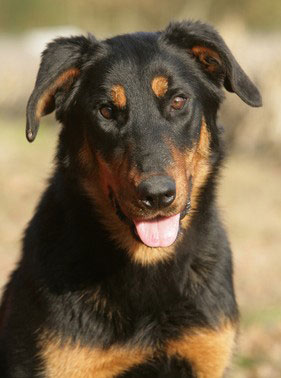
{"x":250,"y":202}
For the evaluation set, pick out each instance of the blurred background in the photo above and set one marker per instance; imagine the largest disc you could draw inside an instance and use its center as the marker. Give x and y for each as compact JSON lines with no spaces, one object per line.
{"x":250,"y":187}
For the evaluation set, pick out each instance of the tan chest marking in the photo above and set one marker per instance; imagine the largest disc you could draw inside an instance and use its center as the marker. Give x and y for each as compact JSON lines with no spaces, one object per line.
{"x":209,"y":351}
{"x":75,"y":361}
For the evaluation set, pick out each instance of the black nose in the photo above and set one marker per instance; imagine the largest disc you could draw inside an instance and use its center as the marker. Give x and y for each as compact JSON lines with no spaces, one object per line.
{"x":157,"y":192}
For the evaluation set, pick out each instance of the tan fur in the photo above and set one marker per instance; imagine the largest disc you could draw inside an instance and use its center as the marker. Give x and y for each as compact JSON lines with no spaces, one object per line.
{"x":159,"y":85}
{"x":208,"y":350}
{"x":119,"y":96}
{"x":202,"y":52}
{"x":121,"y":233}
{"x":68,"y":360}
{"x":200,"y":168}
{"x":194,"y":162}
{"x":180,"y":172}
{"x":49,"y":92}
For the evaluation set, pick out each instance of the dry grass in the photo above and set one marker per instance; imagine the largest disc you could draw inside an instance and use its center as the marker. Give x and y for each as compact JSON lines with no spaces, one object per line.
{"x":24,"y":169}
{"x":251,"y":205}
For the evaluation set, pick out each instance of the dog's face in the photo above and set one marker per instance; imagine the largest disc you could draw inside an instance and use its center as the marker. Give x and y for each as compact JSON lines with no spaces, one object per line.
{"x":144,"y":119}
{"x":139,"y":117}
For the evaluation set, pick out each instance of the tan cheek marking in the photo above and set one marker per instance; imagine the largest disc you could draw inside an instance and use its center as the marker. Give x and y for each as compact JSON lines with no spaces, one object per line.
{"x":46,"y":97}
{"x":75,"y":361}
{"x":122,"y":234}
{"x":197,"y":164}
{"x":159,"y":85}
{"x":194,"y":162}
{"x":181,"y":176}
{"x":96,"y":186}
{"x":119,"y":96}
{"x":209,"y":351}
{"x":200,"y":164}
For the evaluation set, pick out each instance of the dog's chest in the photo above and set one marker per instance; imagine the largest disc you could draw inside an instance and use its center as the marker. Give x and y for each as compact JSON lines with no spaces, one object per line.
{"x":207,"y":351}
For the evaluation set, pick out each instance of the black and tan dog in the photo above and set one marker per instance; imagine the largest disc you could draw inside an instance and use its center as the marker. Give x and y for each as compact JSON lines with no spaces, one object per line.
{"x":126,"y":269}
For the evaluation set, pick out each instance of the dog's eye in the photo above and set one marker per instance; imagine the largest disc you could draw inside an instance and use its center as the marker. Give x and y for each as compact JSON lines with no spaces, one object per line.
{"x":106,"y":112}
{"x":178,"y":103}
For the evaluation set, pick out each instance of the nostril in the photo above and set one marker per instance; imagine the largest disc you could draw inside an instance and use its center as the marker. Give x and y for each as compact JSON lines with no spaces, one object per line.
{"x":157,"y":192}
{"x":148,"y":201}
{"x":169,"y":197}
{"x":170,"y":193}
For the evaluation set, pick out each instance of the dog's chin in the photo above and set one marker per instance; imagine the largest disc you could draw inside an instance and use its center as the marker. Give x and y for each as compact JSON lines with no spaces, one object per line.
{"x":157,"y":232}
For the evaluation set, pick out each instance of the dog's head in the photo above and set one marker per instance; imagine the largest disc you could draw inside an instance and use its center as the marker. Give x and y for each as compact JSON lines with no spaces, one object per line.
{"x":139,"y":124}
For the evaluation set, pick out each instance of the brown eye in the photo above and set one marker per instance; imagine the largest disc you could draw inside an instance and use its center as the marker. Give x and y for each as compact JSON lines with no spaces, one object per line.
{"x":106,"y":112}
{"x":178,"y":103}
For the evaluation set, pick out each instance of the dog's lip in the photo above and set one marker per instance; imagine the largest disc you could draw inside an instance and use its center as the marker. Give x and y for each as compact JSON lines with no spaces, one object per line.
{"x":186,"y":210}
{"x":182,"y":213}
{"x":131,"y":222}
{"x":154,"y":232}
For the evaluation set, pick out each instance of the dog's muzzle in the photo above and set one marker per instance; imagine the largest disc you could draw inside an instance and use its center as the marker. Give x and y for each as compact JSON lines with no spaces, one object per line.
{"x":160,"y":231}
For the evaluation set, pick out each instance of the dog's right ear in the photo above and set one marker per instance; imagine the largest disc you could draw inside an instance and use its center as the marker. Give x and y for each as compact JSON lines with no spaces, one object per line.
{"x":60,"y":67}
{"x":203,"y":43}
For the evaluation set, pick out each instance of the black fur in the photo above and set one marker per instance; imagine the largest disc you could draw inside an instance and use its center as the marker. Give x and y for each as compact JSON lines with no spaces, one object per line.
{"x":69,"y":254}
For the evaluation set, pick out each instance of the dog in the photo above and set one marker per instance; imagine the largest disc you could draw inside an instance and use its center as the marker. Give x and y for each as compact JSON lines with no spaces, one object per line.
{"x":126,"y":269}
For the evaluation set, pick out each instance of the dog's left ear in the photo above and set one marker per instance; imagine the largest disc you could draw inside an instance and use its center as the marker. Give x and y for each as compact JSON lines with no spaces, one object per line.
{"x":60,"y":67}
{"x":214,"y":57}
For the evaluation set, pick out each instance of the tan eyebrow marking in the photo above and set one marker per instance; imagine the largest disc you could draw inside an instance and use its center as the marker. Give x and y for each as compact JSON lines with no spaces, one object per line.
{"x":119,"y":96}
{"x":159,"y":85}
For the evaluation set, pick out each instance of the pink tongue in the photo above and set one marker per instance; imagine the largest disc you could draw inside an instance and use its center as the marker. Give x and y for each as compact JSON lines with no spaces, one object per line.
{"x":160,"y":232}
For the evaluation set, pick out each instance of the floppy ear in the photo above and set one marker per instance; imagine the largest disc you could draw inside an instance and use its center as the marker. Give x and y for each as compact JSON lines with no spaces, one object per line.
{"x":214,"y":58}
{"x":60,"y":66}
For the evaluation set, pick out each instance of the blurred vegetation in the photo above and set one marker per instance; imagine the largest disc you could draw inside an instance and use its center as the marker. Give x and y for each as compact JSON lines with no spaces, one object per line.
{"x":119,"y":15}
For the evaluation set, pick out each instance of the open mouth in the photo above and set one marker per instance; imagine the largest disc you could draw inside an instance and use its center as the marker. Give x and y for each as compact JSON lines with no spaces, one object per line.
{"x":155,"y":232}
